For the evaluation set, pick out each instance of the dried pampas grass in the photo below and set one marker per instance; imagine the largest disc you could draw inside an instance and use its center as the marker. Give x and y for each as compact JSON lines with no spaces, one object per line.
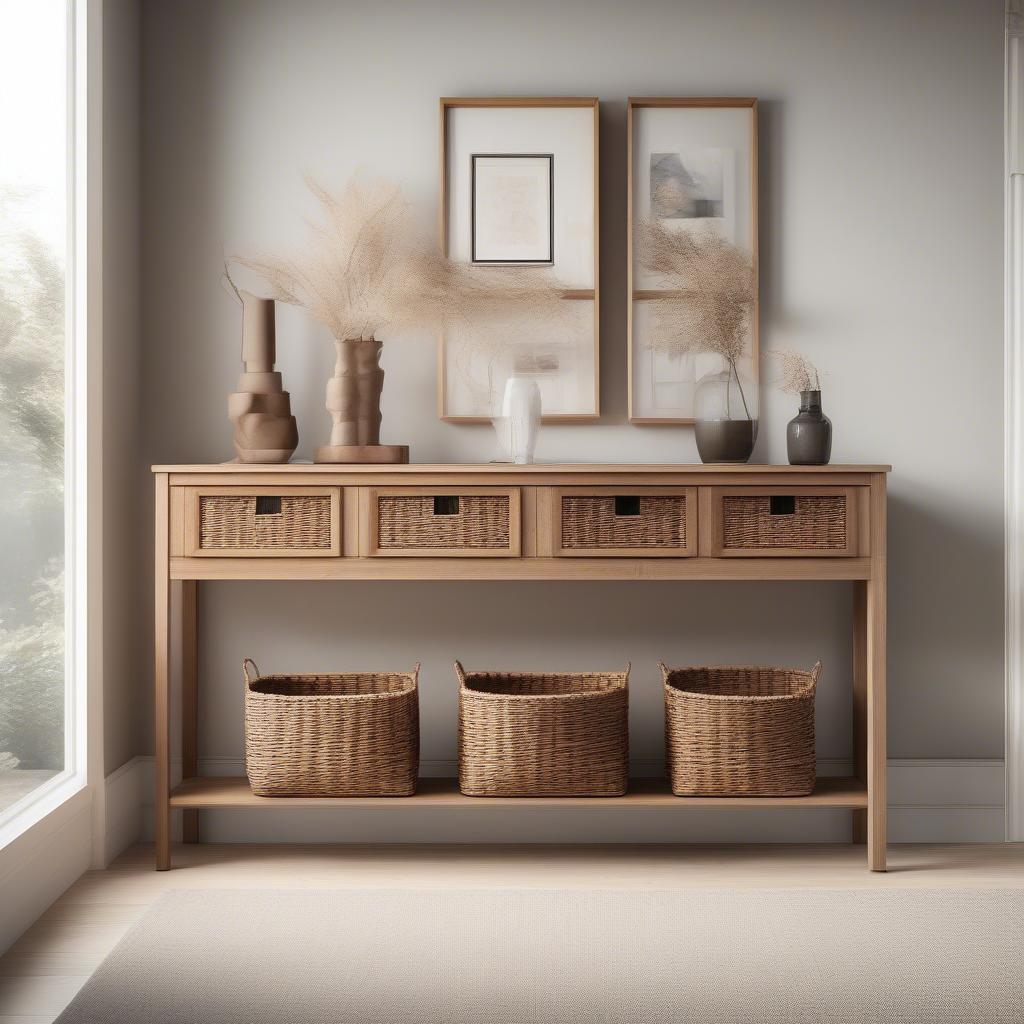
{"x":361,"y":267}
{"x":371,"y":273}
{"x":797,"y":374}
{"x":708,"y":290}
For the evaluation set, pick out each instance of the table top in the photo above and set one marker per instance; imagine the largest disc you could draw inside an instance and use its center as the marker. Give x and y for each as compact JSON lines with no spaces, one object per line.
{"x":554,"y":468}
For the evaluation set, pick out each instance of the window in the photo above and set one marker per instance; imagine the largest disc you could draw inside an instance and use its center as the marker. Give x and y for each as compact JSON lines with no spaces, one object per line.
{"x":37,"y":700}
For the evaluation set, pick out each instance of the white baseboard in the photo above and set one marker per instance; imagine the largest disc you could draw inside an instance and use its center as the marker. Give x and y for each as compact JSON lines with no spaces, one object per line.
{"x":931,"y":801}
{"x":128,"y":788}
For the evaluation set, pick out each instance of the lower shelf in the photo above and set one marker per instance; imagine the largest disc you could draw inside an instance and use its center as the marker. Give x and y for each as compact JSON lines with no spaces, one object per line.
{"x":199,"y":793}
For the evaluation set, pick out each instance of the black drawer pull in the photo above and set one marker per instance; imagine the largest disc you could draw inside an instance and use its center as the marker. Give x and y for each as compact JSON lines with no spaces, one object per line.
{"x":627,"y":506}
{"x":446,"y":505}
{"x":267,"y":506}
{"x":782,"y":505}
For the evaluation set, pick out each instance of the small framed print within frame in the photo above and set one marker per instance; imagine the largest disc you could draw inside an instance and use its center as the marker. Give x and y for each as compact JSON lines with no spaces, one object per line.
{"x":692,"y":162}
{"x":512,"y":209}
{"x":501,"y":158}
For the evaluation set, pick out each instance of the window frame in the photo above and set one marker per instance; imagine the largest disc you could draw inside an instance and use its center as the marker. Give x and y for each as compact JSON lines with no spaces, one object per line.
{"x":82,"y":713}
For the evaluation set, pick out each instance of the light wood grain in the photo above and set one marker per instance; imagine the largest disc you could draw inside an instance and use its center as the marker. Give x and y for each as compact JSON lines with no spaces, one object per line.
{"x":860,"y":702}
{"x":190,"y":697}
{"x":161,"y":674}
{"x":178,"y":519}
{"x":235,"y":792}
{"x":875,"y":657}
{"x":350,"y":521}
{"x":528,"y":517}
{"x":234,"y":469}
{"x":505,"y":568}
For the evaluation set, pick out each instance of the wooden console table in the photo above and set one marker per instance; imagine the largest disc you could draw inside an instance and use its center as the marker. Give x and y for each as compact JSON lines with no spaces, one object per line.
{"x":503,"y":522}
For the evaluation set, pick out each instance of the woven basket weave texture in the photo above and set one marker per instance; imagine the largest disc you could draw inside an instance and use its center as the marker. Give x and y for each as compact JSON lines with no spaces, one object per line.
{"x":543,"y":734}
{"x":351,"y":734}
{"x":227,"y":522}
{"x":591,"y":522}
{"x":740,"y":731}
{"x":818,"y":523}
{"x":409,"y":521}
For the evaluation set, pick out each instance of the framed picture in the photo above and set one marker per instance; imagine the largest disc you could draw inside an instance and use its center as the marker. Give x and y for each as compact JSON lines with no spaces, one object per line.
{"x":693,"y":165}
{"x":519,"y":187}
{"x":512,"y":203}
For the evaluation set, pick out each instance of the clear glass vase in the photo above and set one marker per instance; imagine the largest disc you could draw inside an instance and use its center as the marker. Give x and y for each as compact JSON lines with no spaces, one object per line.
{"x":725,"y":412}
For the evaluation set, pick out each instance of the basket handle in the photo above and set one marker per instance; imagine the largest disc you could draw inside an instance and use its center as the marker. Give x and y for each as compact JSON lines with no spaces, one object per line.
{"x":461,"y":673}
{"x":815,"y":672}
{"x":245,"y":671}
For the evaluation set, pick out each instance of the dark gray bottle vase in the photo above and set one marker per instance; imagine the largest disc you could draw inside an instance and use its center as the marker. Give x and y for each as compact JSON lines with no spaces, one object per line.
{"x":809,"y":434}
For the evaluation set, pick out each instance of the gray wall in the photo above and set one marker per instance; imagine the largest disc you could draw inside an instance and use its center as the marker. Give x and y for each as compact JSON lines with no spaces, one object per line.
{"x":126,"y":656}
{"x":881,"y":230}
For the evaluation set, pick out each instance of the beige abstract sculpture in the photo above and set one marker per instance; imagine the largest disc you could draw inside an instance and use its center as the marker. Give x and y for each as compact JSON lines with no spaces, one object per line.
{"x":265,"y":429}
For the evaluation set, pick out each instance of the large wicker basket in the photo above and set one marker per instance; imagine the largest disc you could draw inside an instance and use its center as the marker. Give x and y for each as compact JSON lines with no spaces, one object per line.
{"x":740,"y":731}
{"x":550,"y":734}
{"x":355,"y":734}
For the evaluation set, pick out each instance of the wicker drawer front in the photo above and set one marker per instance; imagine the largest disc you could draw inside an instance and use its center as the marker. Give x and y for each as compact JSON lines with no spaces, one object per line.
{"x":259,"y":521}
{"x":478,"y":522}
{"x":801,"y":522}
{"x":644,"y":522}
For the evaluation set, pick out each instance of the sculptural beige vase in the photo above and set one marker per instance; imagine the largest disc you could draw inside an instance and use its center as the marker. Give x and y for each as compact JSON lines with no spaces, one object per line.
{"x":353,"y":400}
{"x":265,"y":429}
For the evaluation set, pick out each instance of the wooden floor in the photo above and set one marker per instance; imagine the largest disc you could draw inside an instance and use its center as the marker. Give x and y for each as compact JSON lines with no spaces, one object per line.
{"x":40,"y":974}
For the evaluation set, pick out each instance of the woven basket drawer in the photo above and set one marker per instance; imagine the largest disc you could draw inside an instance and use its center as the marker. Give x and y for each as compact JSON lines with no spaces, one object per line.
{"x":598,"y":521}
{"x":235,"y":522}
{"x":809,"y":522}
{"x":479,"y":522}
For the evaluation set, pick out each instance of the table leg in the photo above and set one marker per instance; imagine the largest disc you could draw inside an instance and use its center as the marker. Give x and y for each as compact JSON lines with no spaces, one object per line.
{"x":860,"y":702}
{"x":875,"y":658}
{"x":161,"y":684}
{"x":189,"y":698}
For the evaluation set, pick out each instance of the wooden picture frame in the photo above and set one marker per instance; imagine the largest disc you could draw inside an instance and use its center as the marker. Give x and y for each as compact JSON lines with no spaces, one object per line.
{"x":641,"y":412}
{"x":589,"y":389}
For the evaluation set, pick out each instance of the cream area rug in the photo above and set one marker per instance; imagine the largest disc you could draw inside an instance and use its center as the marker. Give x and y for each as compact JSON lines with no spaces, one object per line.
{"x":561,"y":957}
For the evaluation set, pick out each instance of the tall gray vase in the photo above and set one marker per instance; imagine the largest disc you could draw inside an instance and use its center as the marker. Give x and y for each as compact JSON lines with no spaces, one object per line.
{"x":809,"y":434}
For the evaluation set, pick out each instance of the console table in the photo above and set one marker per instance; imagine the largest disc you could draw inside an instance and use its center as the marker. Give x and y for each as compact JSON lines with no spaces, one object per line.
{"x":505,"y":522}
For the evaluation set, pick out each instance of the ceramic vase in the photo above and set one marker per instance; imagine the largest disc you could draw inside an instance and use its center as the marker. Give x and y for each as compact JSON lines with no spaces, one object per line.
{"x":353,"y":400}
{"x":265,"y":430}
{"x":725,"y":416}
{"x":353,"y":393}
{"x":519,"y":423}
{"x":809,"y":434}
